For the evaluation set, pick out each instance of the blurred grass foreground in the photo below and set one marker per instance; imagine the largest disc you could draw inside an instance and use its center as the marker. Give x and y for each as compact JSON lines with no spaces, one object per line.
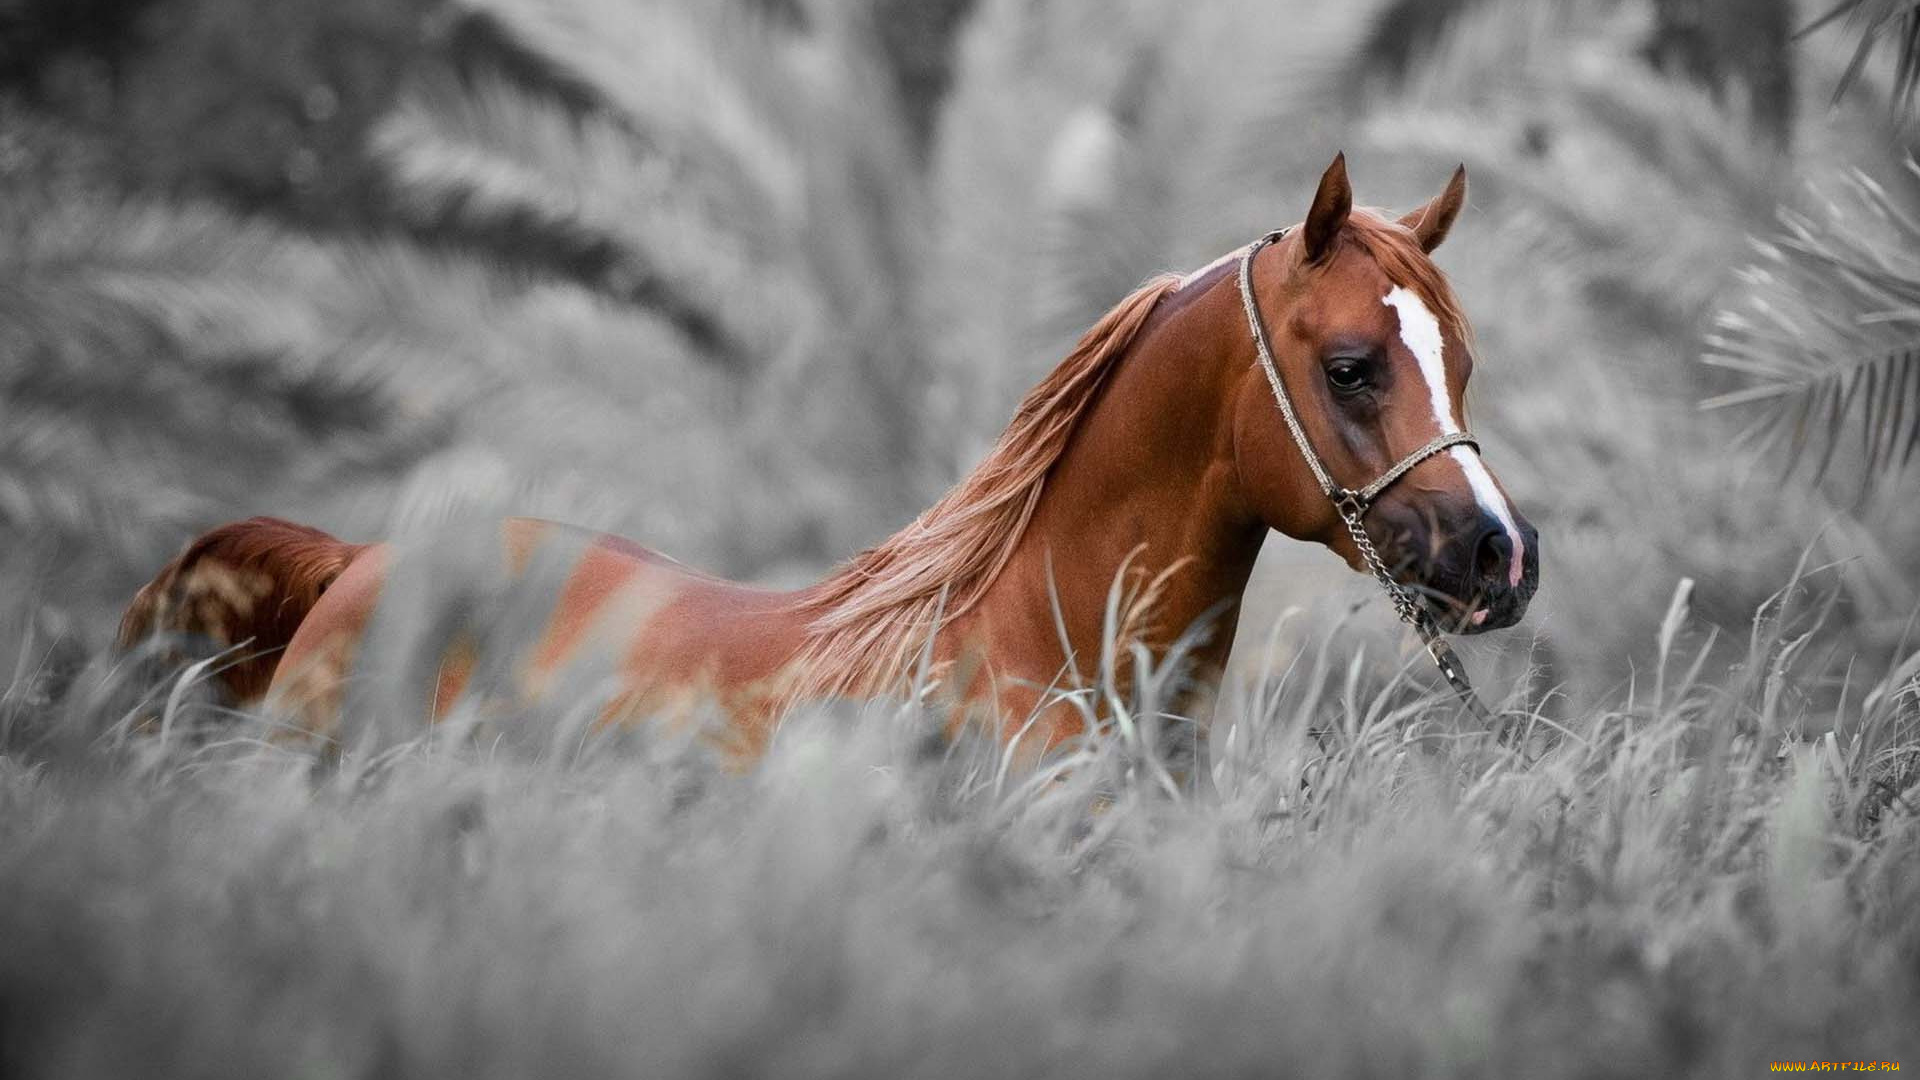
{"x":752,"y":281}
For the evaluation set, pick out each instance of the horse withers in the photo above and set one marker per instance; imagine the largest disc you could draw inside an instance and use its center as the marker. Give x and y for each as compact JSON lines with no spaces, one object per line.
{"x":1264,"y":392}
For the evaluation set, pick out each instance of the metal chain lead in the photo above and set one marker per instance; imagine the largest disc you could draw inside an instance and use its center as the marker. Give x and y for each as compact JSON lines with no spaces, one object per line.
{"x":1411,"y":613}
{"x":1352,"y":505}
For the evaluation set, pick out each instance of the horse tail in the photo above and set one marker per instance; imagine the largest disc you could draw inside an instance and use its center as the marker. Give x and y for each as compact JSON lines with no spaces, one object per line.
{"x":246,"y":585}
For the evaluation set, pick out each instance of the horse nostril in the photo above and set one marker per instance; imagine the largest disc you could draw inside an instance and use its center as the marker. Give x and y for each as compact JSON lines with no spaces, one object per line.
{"x":1492,"y":555}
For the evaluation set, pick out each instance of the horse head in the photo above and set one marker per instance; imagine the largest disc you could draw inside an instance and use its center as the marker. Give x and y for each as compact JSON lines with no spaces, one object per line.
{"x":1358,"y":339}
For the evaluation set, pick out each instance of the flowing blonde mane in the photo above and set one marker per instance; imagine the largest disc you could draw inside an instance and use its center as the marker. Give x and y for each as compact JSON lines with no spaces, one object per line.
{"x":873,"y":614}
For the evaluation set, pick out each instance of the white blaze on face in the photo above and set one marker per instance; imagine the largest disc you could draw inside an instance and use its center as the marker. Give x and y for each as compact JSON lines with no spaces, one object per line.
{"x":1420,"y":331}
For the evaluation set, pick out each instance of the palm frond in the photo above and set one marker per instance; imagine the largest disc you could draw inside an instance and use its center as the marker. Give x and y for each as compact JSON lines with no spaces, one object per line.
{"x":169,"y":363}
{"x":1638,"y":175}
{"x":493,"y":162}
{"x":678,"y":74}
{"x":1826,"y":332}
{"x":1873,"y":22}
{"x":743,"y":173}
{"x":1403,"y":30}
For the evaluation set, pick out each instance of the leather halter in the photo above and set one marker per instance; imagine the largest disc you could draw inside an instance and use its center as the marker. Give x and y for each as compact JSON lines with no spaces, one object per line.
{"x":1359,"y":500}
{"x":1353,"y":503}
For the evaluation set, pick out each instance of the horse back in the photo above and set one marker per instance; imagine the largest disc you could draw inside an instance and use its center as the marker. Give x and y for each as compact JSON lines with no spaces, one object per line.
{"x":666,"y":633}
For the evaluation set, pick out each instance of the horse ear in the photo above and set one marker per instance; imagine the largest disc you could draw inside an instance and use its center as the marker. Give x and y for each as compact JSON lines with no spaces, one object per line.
{"x":1431,"y":222}
{"x":1331,"y":205}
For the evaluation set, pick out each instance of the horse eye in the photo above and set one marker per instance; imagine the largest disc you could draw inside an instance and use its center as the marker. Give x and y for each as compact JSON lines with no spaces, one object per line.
{"x":1347,"y":376}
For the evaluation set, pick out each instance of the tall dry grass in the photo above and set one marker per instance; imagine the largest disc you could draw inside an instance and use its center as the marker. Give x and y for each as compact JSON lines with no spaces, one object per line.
{"x":1711,"y":873}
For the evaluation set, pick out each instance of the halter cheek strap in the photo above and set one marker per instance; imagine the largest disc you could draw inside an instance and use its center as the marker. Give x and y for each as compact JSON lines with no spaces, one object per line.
{"x":1353,"y":503}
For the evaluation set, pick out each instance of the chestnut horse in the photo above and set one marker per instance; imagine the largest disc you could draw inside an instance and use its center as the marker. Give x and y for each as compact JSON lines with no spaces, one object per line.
{"x":1155,"y":448}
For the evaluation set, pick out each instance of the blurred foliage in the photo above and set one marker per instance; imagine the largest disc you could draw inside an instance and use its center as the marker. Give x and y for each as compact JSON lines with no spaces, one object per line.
{"x":1875,"y":22}
{"x":151,"y":347}
{"x":262,"y":106}
{"x":38,"y":37}
{"x":1733,"y":47}
{"x":1740,"y":50}
{"x":747,"y":175}
{"x":916,"y":37}
{"x":267,"y":106}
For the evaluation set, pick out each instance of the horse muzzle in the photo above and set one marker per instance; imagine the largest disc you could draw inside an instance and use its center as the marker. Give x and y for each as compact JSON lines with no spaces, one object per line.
{"x":1472,"y":570}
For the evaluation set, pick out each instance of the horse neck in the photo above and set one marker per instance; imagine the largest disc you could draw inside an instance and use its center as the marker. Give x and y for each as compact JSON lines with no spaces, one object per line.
{"x":1146,"y":484}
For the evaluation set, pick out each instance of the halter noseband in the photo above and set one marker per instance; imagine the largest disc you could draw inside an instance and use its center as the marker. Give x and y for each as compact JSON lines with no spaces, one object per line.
{"x":1353,"y":503}
{"x":1358,"y":500}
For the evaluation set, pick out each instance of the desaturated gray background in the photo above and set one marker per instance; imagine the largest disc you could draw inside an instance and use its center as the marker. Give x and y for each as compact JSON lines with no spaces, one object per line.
{"x":753,"y":281}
